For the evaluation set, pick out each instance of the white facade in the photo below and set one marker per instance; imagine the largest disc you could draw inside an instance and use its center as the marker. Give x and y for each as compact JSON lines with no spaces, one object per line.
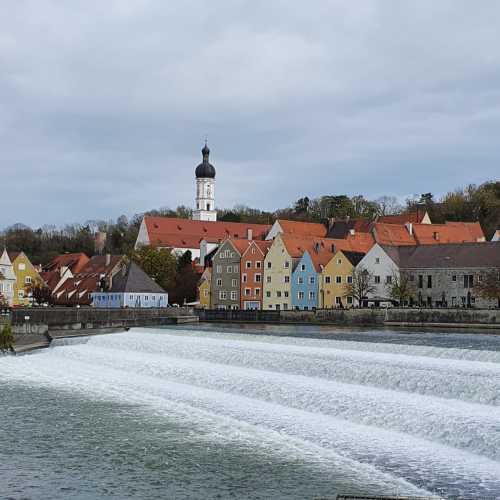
{"x":274,"y":231}
{"x":205,"y":200}
{"x":381,"y":267}
{"x":128,"y":299}
{"x":7,"y":278}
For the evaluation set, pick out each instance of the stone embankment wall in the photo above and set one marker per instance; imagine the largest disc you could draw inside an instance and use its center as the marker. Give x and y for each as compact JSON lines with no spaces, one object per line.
{"x":41,"y":321}
{"x":382,"y":317}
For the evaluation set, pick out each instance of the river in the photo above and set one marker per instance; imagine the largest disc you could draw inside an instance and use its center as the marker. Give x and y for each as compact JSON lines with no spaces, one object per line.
{"x":253,"y":412}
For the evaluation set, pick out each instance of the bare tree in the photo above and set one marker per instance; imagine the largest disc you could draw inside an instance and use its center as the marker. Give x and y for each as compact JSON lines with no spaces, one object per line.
{"x":361,"y":286}
{"x":388,"y":205}
{"x":488,"y":287}
{"x":401,"y":287}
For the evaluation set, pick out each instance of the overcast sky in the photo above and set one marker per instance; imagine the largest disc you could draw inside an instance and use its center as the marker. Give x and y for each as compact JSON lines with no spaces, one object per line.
{"x":104,"y":105}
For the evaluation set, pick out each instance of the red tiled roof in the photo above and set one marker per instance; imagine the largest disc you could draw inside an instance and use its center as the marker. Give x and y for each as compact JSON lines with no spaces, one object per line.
{"x":393,"y":234}
{"x":74,"y":261}
{"x":298,"y":228}
{"x":186,"y":233}
{"x":450,"y":232}
{"x":414,"y":217}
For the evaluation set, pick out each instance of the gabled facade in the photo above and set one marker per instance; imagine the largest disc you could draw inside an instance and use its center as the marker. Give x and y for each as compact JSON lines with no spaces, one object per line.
{"x":305,"y":289}
{"x":27,"y":278}
{"x":204,"y":288}
{"x":496,"y":236}
{"x":225,"y":289}
{"x":335,"y":276}
{"x":7,"y":279}
{"x":278,"y":265}
{"x":382,"y":264}
{"x":252,"y":274}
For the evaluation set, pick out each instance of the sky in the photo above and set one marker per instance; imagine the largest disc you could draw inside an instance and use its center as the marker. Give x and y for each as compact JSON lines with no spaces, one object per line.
{"x":104,"y":106}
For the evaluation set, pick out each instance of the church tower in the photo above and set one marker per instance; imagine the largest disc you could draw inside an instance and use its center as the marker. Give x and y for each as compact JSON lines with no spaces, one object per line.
{"x":205,"y":184}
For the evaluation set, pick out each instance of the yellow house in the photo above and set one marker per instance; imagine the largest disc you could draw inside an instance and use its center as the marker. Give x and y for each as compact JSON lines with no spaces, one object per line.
{"x":335,"y":276}
{"x":27,"y":278}
{"x":204,"y":289}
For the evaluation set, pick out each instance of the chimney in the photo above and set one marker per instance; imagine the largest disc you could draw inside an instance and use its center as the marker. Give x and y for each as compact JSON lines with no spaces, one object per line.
{"x":249,"y":234}
{"x":203,"y":251}
{"x":108,"y":259}
{"x":409,"y":226}
{"x":352,"y":232}
{"x":436,"y":235}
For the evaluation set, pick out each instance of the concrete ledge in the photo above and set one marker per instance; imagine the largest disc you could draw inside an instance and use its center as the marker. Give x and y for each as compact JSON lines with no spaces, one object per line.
{"x":468,"y":326}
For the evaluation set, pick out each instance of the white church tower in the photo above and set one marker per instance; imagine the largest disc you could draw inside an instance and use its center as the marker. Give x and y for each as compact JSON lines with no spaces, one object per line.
{"x":205,"y":189}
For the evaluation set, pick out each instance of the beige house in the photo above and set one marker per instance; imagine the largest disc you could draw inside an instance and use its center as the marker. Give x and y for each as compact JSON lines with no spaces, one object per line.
{"x":27,"y":278}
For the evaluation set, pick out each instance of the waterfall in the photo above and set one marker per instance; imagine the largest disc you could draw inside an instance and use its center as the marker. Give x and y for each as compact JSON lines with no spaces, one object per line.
{"x":416,"y":419}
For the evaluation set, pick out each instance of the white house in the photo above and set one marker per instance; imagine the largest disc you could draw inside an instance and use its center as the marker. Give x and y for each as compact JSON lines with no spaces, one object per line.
{"x":131,"y":287}
{"x":382,"y":264}
{"x":7,"y":278}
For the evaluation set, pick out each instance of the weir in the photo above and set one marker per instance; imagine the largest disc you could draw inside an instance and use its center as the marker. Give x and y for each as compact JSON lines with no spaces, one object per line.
{"x":379,"y":418}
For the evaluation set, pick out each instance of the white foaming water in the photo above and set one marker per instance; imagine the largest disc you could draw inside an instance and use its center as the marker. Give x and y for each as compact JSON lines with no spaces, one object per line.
{"x":401,"y":418}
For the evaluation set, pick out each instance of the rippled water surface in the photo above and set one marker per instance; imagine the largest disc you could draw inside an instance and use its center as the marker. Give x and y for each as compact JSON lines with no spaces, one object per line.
{"x":211,"y":412}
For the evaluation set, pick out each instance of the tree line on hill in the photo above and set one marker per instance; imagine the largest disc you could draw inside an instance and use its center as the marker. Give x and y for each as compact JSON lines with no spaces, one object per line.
{"x":469,"y":204}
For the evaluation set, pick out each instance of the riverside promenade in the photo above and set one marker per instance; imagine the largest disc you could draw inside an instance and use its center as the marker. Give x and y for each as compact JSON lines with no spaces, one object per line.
{"x":390,"y":317}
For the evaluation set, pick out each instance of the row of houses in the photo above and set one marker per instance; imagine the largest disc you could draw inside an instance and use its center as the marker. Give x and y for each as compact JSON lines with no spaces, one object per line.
{"x":297,"y":266}
{"x":74,"y":279}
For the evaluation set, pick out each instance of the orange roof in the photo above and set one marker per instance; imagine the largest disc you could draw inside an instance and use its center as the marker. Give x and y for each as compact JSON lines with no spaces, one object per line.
{"x":263,"y":245}
{"x":297,"y":228}
{"x":186,"y":233}
{"x":415,"y":217}
{"x":393,"y":234}
{"x":74,"y":261}
{"x":450,"y":232}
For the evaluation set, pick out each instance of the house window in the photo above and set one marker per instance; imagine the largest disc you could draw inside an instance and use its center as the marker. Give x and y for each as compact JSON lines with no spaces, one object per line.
{"x":388,"y":280}
{"x":20,"y":294}
{"x":268,"y":294}
{"x":234,"y":295}
{"x":339,"y":261}
{"x":219,"y":282}
{"x":269,"y":265}
{"x":287,"y":279}
{"x":234,"y":282}
{"x":258,"y":264}
{"x":244,"y":278}
{"x":285,"y":306}
{"x":22,"y":266}
{"x":223,"y":295}
{"x":287,"y":264}
{"x":420,"y":281}
{"x":28,"y":280}
{"x":468,"y":281}
{"x":218,"y":269}
{"x":312,"y":280}
{"x":328,"y":279}
{"x":312,"y":295}
{"x":257,"y":278}
{"x":131,"y":297}
{"x":248,"y":264}
{"x":278,"y":294}
{"x":300,"y":280}
{"x":300,"y":295}
{"x":338,"y":301}
{"x":229,"y":269}
{"x":429,"y":281}
{"x":377,"y":260}
{"x":302,"y":267}
{"x":349,"y":280}
{"x":454,"y":277}
{"x":146,"y":298}
{"x":338,"y":279}
{"x":377,"y":279}
{"x":253,"y":251}
{"x":349,"y":300}
{"x":205,"y":293}
{"x":268,"y":279}
{"x":286,"y":294}
{"x":257,"y":292}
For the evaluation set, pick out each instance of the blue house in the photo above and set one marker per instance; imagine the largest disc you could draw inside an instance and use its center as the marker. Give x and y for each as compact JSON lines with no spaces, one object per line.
{"x":305,"y":286}
{"x":131,"y":287}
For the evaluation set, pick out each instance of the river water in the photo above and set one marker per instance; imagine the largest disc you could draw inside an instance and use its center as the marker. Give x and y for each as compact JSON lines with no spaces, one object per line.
{"x":255,"y":412}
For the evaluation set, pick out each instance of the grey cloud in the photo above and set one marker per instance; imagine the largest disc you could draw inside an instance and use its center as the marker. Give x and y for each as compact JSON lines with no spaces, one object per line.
{"x":104,"y":105}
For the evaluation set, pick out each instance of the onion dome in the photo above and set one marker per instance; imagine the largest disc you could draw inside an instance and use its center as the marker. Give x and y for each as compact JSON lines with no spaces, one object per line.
{"x":205,"y":169}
